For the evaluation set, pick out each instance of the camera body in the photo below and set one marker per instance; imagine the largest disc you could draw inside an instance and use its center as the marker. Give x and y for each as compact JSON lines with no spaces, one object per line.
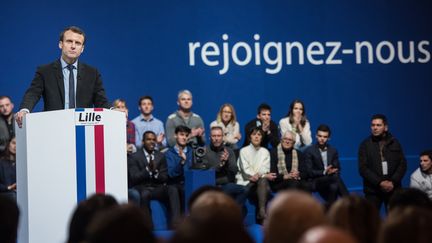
{"x":197,"y":156}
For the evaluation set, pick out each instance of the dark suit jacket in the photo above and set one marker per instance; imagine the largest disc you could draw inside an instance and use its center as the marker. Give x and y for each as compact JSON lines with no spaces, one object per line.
{"x":5,"y":135}
{"x":138,"y":174}
{"x":315,"y":163}
{"x":48,"y":83}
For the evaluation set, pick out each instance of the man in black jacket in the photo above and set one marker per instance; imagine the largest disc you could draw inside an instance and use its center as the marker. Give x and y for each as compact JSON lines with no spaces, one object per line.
{"x":148,"y":174}
{"x":7,"y":129}
{"x":222,"y":159}
{"x":382,"y":163}
{"x":264,"y":121}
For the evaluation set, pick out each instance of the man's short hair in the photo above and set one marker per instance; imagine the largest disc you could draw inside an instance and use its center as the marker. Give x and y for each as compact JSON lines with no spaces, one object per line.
{"x":263,"y":107}
{"x":147,"y":132}
{"x":75,"y":30}
{"x":184,"y":91}
{"x":381,"y":117}
{"x":216,"y":128}
{"x":427,"y":153}
{"x":182,"y":128}
{"x":324,"y":128}
{"x":145,"y":97}
{"x":5,"y":97}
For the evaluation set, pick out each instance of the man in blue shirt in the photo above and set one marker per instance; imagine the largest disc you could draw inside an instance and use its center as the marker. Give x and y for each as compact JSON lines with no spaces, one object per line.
{"x":147,"y":122}
{"x":179,"y":159}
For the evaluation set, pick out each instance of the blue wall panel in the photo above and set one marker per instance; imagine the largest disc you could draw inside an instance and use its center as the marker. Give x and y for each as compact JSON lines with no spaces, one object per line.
{"x":142,"y":47}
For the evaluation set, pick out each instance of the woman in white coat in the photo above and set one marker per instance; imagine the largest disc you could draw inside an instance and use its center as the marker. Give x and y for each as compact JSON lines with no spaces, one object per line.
{"x":254,"y":170}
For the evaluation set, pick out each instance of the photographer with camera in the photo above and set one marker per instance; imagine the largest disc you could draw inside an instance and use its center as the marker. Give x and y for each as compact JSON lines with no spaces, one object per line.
{"x":222,"y":159}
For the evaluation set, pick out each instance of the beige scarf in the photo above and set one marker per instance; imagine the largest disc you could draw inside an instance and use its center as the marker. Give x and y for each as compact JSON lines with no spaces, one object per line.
{"x":281,"y":161}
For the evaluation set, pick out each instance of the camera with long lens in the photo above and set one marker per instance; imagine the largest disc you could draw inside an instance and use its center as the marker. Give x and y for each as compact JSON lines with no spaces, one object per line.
{"x":197,"y":156}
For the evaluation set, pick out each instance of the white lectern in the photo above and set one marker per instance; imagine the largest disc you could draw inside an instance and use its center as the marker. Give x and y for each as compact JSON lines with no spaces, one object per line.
{"x":63,"y":157}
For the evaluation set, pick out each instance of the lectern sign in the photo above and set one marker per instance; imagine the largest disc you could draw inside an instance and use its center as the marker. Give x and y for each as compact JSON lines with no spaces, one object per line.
{"x":88,"y":117}
{"x":90,"y":152}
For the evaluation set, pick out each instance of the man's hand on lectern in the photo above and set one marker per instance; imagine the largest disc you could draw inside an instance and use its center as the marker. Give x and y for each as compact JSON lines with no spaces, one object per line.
{"x":19,"y":117}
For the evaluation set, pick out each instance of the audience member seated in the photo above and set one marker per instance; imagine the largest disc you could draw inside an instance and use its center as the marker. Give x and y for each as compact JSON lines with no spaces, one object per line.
{"x":326,"y":234}
{"x":356,"y":215}
{"x":214,"y":218}
{"x":84,"y":213}
{"x":297,"y":122}
{"x":407,"y":224}
{"x":422,"y":177}
{"x":8,"y":171}
{"x":126,"y":224}
{"x":185,"y":117}
{"x":254,"y":170}
{"x":222,"y":159}
{"x":179,"y":159}
{"x":323,"y":165}
{"x":290,"y":214}
{"x":148,"y":174}
{"x":288,"y":164}
{"x":404,"y":197}
{"x":120,"y":105}
{"x":267,"y":125}
{"x":8,"y":220}
{"x":147,"y":122}
{"x":7,"y":129}
{"x":227,"y":120}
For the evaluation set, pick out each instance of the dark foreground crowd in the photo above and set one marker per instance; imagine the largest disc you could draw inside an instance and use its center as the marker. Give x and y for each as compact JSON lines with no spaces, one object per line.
{"x":293,"y":216}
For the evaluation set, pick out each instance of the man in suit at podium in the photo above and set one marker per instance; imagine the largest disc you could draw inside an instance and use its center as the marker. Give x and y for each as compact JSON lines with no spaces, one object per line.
{"x":65,"y":83}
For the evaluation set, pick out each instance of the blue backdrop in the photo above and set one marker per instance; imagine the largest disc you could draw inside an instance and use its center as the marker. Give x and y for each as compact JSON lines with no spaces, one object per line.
{"x":345,"y":59}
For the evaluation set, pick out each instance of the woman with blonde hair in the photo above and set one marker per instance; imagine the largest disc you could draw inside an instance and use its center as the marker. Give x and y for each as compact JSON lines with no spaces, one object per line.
{"x":227,"y":120}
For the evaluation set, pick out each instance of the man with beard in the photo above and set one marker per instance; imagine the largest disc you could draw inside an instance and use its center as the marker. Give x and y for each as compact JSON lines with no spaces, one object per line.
{"x":382,"y":163}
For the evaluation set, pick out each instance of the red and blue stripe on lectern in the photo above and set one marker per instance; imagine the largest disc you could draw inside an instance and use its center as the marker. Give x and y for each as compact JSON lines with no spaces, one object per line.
{"x":81,"y":162}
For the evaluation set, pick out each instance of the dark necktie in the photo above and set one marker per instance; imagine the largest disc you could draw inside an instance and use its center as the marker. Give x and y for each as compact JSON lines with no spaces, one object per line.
{"x":151,"y":163}
{"x":71,"y":87}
